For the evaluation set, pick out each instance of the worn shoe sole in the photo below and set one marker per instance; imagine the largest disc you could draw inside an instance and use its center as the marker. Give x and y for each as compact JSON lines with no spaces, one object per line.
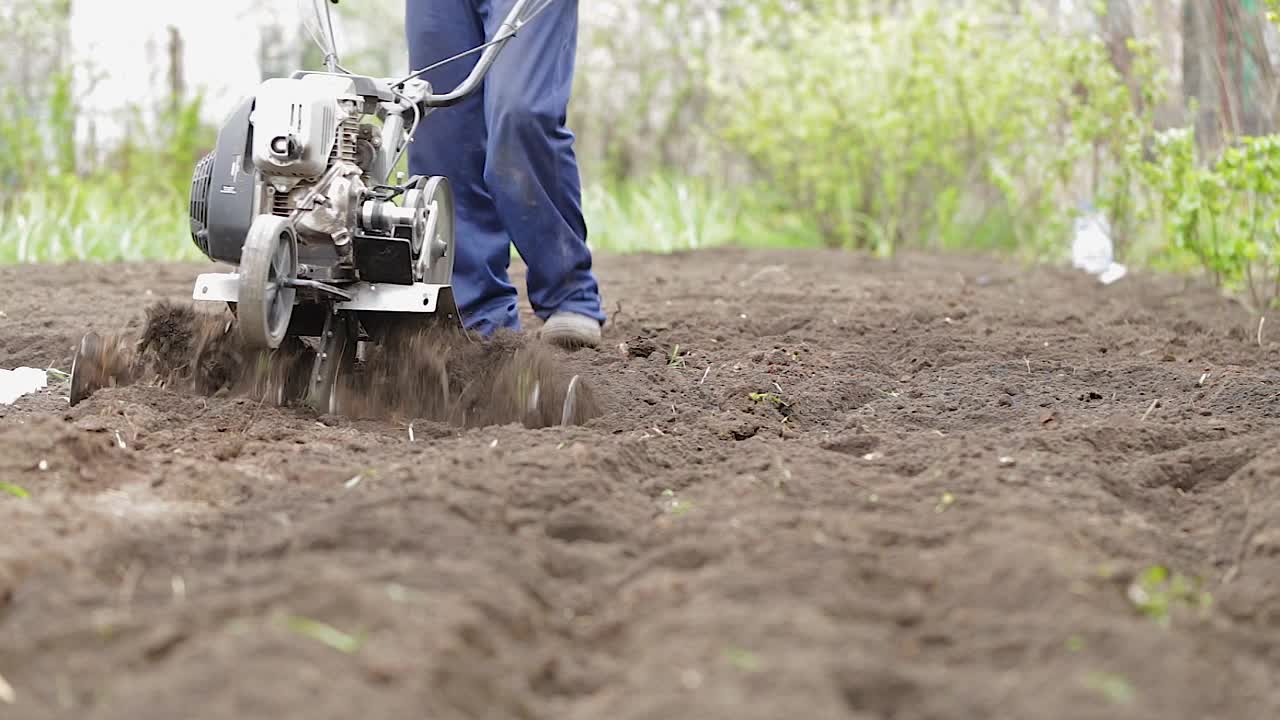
{"x":569,"y":335}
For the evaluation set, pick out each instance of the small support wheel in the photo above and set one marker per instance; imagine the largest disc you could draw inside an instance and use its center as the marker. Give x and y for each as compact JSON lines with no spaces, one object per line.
{"x":268,"y":264}
{"x":435,"y":240}
{"x":333,"y":360}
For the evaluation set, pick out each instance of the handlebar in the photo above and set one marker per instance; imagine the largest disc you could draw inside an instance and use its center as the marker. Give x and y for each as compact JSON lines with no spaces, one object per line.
{"x":507,"y":30}
{"x":490,"y":50}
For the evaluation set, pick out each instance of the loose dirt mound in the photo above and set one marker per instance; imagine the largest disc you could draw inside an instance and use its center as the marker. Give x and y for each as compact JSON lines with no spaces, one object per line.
{"x":415,"y":372}
{"x":450,"y":377}
{"x":816,"y":486}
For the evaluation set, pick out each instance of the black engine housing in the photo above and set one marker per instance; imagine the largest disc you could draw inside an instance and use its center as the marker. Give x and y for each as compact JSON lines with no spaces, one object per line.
{"x":222,"y":190}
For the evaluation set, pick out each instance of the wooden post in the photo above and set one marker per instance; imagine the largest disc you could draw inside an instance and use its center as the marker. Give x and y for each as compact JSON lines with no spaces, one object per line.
{"x":177,"y":74}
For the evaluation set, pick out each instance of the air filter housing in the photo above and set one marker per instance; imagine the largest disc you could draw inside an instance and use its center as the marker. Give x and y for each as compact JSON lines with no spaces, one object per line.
{"x":223,"y":190}
{"x":198,"y":209}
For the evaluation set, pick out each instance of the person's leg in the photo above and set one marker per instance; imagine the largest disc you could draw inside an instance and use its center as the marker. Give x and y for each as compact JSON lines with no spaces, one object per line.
{"x":452,"y":142}
{"x":531,"y":169}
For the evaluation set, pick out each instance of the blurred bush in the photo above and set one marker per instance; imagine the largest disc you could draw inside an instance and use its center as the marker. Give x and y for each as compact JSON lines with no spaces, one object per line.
{"x":1224,"y":214}
{"x":928,"y":125}
{"x":129,"y":202}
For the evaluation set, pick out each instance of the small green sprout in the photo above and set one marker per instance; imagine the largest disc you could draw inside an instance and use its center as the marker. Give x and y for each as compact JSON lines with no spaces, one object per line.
{"x":675,"y":505}
{"x":1157,"y":593}
{"x":676,"y":358}
{"x":744,"y":660}
{"x":946,"y":501}
{"x":324,"y":633}
{"x":14,"y":490}
{"x":1115,"y":688}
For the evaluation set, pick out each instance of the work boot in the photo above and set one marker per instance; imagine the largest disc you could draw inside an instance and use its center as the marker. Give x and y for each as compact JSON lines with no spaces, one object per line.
{"x":571,"y":330}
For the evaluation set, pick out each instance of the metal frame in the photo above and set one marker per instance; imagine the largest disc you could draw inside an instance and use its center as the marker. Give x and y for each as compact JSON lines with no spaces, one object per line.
{"x":370,"y":297}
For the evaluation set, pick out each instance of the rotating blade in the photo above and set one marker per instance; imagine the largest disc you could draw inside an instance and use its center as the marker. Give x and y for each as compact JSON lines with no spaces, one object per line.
{"x":98,"y":363}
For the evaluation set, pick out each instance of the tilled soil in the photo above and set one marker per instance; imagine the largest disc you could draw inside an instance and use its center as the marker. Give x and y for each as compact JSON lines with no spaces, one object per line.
{"x":820,"y":486}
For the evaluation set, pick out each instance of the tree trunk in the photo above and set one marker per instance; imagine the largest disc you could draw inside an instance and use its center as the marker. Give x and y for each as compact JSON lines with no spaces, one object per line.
{"x":1256,"y":77}
{"x":177,"y":74}
{"x":1227,"y":71}
{"x":1117,"y":32}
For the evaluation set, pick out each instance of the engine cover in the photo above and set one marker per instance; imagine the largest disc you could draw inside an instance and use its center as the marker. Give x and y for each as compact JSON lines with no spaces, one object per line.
{"x":295,"y":124}
{"x":224,"y":190}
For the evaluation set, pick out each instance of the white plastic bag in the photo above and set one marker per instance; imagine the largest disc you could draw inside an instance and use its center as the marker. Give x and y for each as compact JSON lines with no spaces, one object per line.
{"x":1092,"y":250}
{"x":21,"y":381}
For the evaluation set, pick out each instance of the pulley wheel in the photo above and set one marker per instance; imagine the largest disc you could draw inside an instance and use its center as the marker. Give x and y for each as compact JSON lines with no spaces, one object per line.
{"x":435,"y":261}
{"x":268,"y":264}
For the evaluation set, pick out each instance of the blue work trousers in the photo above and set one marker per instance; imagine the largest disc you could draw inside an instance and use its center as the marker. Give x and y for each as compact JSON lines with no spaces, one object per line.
{"x":509,"y":156}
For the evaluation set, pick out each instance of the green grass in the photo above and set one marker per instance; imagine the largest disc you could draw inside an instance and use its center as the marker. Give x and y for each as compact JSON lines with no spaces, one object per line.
{"x":662,"y":214}
{"x":95,"y":221}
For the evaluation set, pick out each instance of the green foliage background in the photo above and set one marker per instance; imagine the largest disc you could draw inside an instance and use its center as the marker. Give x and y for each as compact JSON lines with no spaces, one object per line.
{"x":865,"y":124}
{"x":930,"y":127}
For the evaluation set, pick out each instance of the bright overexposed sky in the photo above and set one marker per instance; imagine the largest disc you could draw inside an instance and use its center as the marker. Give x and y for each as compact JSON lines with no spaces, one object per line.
{"x":126,"y":41}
